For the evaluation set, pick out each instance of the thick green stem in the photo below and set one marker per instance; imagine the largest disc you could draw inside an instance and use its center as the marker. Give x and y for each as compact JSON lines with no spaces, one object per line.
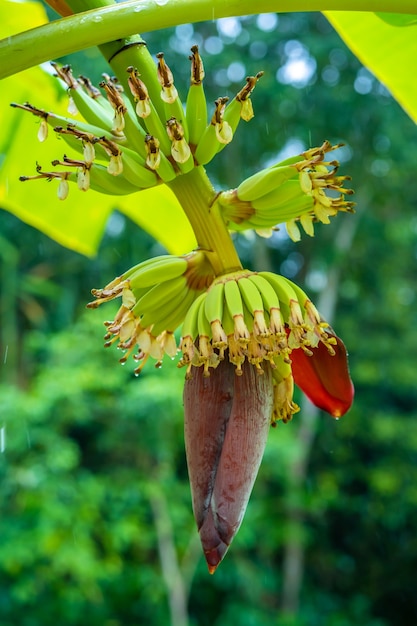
{"x":196,"y":195}
{"x":109,"y":23}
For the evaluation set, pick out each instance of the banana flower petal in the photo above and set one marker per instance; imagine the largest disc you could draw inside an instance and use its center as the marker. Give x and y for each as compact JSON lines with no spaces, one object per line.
{"x":325,"y":378}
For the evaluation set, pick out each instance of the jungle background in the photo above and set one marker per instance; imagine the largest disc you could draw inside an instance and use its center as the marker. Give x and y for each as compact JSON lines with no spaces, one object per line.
{"x":96,"y":524}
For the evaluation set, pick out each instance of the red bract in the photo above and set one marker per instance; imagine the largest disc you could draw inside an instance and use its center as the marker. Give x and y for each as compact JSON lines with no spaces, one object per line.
{"x":324,"y":378}
{"x":227,"y":420}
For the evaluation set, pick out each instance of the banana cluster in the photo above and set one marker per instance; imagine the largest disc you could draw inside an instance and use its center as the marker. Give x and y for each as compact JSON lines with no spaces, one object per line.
{"x":291,"y":192}
{"x":156,"y":296}
{"x":130,"y":141}
{"x":256,"y":317}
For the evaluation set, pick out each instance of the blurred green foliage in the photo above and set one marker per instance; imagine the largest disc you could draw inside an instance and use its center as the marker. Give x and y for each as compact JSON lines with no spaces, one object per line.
{"x":94,"y":458}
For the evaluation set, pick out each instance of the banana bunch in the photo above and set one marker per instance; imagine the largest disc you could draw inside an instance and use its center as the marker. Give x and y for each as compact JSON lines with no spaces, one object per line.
{"x":289,"y":192}
{"x":155,"y":298}
{"x":255,"y":317}
{"x":128,"y":141}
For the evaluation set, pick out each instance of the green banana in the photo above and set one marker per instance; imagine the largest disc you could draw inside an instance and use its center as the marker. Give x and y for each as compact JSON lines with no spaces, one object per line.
{"x":190,"y":325}
{"x":169,"y":316}
{"x":233,"y":298}
{"x":159,"y":301}
{"x":214,"y":302}
{"x":251,"y":295}
{"x":91,"y":110}
{"x":264,"y":182}
{"x":271,"y":302}
{"x":253,"y":300}
{"x":156,"y":128}
{"x":301,"y":295}
{"x":216,"y":133}
{"x":196,"y":107}
{"x":282,"y":195}
{"x":234,"y":305}
{"x":157,"y":161}
{"x":203,"y":324}
{"x":89,"y":106}
{"x":284,"y":291}
{"x":196,"y":113}
{"x":267,"y":292}
{"x":135,"y":171}
{"x":102,"y":181}
{"x":268,"y":219}
{"x":176,"y":315}
{"x":160,"y":270}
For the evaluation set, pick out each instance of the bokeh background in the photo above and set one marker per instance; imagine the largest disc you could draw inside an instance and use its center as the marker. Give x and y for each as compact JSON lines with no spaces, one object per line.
{"x":96,"y":524}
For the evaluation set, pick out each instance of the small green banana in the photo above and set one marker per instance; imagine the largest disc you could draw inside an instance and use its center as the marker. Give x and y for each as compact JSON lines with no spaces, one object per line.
{"x":217,"y":133}
{"x":171,"y":314}
{"x":135,"y":171}
{"x":253,"y":300}
{"x":161,"y":270}
{"x":264,"y":182}
{"x":282,"y":195}
{"x":214,"y":302}
{"x":190,"y":325}
{"x":271,"y":302}
{"x":102,"y":181}
{"x":175,"y":317}
{"x":156,"y":128}
{"x":235,"y":307}
{"x":284,"y":291}
{"x":160,"y":301}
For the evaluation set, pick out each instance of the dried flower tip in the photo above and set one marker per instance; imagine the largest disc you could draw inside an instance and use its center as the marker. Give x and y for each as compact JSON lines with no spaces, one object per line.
{"x":153,"y":154}
{"x":115,"y":166}
{"x":224,"y":132}
{"x":180,"y":149}
{"x":246,"y":111}
{"x":139,"y":92}
{"x":91,"y":89}
{"x":64,"y":72}
{"x":197,"y":67}
{"x":116,"y":100}
{"x":169,"y":93}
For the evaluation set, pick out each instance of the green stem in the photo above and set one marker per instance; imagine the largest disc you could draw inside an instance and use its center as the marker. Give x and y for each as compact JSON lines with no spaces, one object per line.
{"x":112,"y":22}
{"x":196,"y":196}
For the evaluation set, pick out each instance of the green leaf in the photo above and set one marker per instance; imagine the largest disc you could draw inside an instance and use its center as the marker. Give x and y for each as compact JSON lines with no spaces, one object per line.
{"x":398,"y":19}
{"x":18,"y":16}
{"x":389,"y":52}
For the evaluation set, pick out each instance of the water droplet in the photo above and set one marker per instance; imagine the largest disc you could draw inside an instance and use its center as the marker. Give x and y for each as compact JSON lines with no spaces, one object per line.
{"x":137,"y":9}
{"x":97,"y":18}
{"x":161,"y":2}
{"x":2,"y":439}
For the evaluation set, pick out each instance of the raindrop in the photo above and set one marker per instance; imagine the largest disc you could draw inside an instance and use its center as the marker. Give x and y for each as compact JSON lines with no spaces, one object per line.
{"x":161,"y":2}
{"x":2,"y":439}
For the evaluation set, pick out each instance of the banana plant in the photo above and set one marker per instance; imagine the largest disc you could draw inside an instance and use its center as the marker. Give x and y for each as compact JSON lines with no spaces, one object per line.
{"x":246,"y":336}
